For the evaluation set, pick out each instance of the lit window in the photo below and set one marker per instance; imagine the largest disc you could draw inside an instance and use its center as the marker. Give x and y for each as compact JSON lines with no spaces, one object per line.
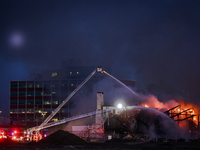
{"x":54,"y":74}
{"x":77,"y":72}
{"x":72,"y":84}
{"x":55,"y":102}
{"x":38,"y":111}
{"x":55,"y":119}
{"x":47,"y":102}
{"x":70,"y":73}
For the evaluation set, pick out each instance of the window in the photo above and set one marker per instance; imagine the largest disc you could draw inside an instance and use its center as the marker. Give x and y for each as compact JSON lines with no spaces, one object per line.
{"x":13,"y":110}
{"x":38,"y":93}
{"x":22,"y":102}
{"x":64,"y":83}
{"x":77,"y":73}
{"x":21,"y":110}
{"x":22,"y":93}
{"x":30,"y":84}
{"x":55,"y":92}
{"x":30,"y":102}
{"x":47,"y":93}
{"x":38,"y":111}
{"x":14,"y":85}
{"x":47,"y":102}
{"x":73,"y":83}
{"x":47,"y":84}
{"x":64,"y":110}
{"x":30,"y":110}
{"x":38,"y":84}
{"x":13,"y":102}
{"x":55,"y":102}
{"x":64,"y":92}
{"x":22,"y":85}
{"x":47,"y":110}
{"x":55,"y":84}
{"x":38,"y":102}
{"x":54,"y":74}
{"x":70,"y":73}
{"x":13,"y":93}
{"x":55,"y":119}
{"x":30,"y":93}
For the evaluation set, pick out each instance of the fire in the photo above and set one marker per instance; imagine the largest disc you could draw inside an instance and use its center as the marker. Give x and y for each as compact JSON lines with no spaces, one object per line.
{"x":152,"y":102}
{"x":183,"y":110}
{"x":192,"y":112}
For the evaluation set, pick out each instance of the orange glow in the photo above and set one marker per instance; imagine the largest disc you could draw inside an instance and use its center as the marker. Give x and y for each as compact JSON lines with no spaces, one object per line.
{"x":153,"y":102}
{"x":184,"y":109}
{"x":192,"y":112}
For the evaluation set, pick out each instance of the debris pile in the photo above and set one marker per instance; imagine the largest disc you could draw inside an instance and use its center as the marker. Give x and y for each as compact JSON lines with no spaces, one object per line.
{"x":62,"y":138}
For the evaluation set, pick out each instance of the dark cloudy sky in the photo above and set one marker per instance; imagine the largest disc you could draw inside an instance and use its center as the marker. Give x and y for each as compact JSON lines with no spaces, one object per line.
{"x":155,"y":42}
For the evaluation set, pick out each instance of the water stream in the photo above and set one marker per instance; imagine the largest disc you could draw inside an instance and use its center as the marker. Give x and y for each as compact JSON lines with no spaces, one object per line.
{"x":122,"y":84}
{"x":152,"y":110}
{"x":157,"y":120}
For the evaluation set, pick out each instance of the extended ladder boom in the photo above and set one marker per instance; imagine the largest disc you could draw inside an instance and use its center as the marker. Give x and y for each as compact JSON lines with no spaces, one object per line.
{"x":68,"y":119}
{"x":67,"y":99}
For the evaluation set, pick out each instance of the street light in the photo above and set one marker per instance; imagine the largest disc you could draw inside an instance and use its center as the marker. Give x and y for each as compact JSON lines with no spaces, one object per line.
{"x":119,"y":106}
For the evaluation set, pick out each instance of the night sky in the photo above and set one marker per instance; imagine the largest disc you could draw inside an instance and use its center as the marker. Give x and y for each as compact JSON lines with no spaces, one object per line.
{"x":155,"y":42}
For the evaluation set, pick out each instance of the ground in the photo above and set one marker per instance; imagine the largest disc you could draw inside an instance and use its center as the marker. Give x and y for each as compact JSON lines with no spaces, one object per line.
{"x":108,"y":146}
{"x":61,"y":140}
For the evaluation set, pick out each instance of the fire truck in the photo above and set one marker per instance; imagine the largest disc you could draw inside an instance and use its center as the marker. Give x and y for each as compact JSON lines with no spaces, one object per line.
{"x":3,"y":134}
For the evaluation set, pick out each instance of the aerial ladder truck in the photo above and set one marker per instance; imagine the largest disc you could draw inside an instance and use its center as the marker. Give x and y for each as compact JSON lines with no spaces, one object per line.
{"x":35,"y":130}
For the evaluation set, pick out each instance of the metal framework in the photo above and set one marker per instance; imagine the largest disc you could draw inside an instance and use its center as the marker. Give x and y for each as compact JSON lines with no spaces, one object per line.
{"x":177,"y":115}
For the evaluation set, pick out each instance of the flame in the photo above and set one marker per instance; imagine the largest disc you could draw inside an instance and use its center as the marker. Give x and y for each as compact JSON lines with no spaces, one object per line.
{"x":152,"y":102}
{"x":184,"y":109}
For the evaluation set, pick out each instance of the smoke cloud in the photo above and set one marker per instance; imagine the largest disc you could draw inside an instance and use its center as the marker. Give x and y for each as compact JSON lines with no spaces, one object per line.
{"x":150,"y":119}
